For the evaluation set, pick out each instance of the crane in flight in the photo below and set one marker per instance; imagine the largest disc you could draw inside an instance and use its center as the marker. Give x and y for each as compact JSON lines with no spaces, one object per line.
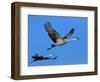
{"x":55,"y":36}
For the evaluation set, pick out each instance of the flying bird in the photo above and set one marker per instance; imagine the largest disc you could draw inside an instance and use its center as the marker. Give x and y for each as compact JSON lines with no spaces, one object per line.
{"x":37,"y":57}
{"x":55,"y":36}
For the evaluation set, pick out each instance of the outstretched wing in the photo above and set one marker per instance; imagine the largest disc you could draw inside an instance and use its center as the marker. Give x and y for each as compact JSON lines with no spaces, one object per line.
{"x":53,"y":34}
{"x":69,"y":34}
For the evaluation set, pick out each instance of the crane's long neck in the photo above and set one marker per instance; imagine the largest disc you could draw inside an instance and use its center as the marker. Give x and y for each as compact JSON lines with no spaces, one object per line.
{"x":71,"y":39}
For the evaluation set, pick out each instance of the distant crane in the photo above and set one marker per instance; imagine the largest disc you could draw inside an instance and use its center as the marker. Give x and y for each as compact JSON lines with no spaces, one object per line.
{"x":37,"y":57}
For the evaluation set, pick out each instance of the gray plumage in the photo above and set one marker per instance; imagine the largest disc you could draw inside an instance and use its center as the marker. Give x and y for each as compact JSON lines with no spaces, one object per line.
{"x":55,"y":36}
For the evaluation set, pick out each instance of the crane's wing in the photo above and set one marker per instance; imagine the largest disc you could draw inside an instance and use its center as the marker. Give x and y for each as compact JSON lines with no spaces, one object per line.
{"x":53,"y":34}
{"x":69,"y":34}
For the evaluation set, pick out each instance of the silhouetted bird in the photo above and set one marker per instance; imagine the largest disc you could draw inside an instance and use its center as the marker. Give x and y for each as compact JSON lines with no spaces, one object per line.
{"x":55,"y":36}
{"x":36,"y":57}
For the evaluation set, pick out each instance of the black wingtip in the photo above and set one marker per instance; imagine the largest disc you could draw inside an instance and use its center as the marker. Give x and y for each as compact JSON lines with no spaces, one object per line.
{"x":47,"y":24}
{"x":72,"y":29}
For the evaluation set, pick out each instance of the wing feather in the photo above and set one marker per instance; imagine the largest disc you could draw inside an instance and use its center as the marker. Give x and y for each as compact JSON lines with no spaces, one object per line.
{"x":69,"y":34}
{"x":53,"y":34}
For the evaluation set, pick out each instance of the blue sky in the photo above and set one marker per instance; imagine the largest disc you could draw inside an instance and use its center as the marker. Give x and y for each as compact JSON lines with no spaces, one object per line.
{"x":74,"y":52}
